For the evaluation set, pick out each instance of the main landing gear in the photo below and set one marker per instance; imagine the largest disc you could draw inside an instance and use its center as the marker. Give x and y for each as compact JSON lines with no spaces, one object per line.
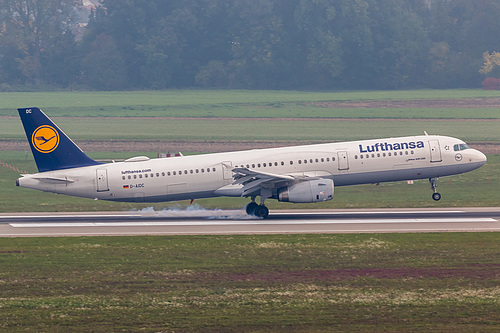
{"x":255,"y":209}
{"x":436,"y":196}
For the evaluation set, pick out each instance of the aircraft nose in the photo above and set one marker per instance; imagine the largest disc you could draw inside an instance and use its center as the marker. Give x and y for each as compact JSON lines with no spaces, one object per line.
{"x":479,"y":157}
{"x":483,"y":158}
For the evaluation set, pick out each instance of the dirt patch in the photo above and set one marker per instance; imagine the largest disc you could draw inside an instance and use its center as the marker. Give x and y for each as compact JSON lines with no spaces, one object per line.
{"x":493,"y":102}
{"x":377,"y":273}
{"x":193,"y":146}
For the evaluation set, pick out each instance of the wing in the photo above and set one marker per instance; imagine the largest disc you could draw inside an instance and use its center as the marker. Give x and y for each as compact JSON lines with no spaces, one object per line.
{"x":254,"y":180}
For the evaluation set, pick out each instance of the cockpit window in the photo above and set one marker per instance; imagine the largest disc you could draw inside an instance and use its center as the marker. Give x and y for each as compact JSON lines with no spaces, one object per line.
{"x":460,"y":147}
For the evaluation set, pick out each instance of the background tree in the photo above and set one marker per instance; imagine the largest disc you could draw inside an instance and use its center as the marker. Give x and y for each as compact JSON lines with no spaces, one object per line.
{"x":257,"y":44}
{"x":103,"y":67}
{"x":30,"y":28}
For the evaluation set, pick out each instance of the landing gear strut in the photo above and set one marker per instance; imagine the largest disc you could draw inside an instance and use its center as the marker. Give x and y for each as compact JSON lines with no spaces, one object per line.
{"x":436,"y":196}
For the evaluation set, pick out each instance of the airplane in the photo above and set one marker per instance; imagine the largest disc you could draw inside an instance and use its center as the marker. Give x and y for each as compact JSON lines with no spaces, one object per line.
{"x":298,"y":174}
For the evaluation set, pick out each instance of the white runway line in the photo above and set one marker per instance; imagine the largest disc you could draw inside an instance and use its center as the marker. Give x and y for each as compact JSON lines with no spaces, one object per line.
{"x":375,"y":212}
{"x":66,"y":216}
{"x":219,"y":213}
{"x":245,"y":222}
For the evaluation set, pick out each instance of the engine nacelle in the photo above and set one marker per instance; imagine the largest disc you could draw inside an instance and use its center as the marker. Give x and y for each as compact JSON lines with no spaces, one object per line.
{"x":308,"y":191}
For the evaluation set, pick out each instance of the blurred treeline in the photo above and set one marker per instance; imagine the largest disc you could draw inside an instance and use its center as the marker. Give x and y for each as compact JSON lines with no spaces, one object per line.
{"x":254,"y":44}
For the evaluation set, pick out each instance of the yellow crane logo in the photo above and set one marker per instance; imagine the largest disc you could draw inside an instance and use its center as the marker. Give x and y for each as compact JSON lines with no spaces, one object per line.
{"x":45,"y":139}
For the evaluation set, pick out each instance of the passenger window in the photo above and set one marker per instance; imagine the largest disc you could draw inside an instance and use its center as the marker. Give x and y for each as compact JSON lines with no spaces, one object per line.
{"x":146,"y":175}
{"x":123,"y":177}
{"x":140,"y":176}
{"x":282,"y":163}
{"x":135,"y":176}
{"x":213,"y":169}
{"x":129,"y":177}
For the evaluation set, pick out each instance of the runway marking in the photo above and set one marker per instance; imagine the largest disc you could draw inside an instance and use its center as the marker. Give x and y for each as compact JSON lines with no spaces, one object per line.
{"x":210,"y":213}
{"x":244,"y":222}
{"x":375,"y":212}
{"x":67,"y":216}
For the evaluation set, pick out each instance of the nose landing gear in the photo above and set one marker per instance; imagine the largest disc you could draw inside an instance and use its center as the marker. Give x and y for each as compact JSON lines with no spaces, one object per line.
{"x":436,"y":196}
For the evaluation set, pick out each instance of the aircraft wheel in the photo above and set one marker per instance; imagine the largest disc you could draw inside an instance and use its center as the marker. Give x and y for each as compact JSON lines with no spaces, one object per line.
{"x":251,"y":207}
{"x":261,"y":211}
{"x":436,"y":196}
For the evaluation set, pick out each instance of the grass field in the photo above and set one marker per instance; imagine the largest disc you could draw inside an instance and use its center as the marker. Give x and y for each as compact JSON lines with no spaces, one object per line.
{"x":242,"y":103}
{"x":237,"y":115}
{"x":97,"y":100}
{"x":276,"y":283}
{"x":233,"y":129}
{"x":249,"y":130}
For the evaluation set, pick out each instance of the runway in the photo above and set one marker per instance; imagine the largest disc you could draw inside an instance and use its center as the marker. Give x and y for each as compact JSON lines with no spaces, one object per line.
{"x":205,"y":222}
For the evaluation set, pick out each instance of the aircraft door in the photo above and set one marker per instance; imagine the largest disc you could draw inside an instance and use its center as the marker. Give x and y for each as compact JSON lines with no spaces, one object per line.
{"x":435,"y":151}
{"x":343,"y":160}
{"x":227,"y":173}
{"x":102,"y":180}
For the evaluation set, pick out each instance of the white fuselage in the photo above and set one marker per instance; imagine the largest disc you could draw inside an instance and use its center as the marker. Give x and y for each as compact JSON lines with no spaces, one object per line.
{"x":211,"y":175}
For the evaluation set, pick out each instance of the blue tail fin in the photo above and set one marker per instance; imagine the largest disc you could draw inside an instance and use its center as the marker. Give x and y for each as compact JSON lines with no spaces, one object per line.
{"x":52,"y":149}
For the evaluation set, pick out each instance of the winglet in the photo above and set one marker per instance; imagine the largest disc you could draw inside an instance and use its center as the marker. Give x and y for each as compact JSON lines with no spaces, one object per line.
{"x":51,"y":147}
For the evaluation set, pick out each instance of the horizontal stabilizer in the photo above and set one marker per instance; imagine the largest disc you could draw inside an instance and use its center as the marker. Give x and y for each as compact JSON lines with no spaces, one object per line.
{"x":53,"y":180}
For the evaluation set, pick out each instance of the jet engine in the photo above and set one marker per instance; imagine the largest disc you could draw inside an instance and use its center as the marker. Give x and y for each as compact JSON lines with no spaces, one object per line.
{"x":307,"y":191}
